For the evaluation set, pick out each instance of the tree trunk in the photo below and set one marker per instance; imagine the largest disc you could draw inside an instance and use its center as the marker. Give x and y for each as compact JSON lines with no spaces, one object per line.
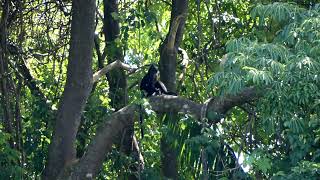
{"x":77,"y":88}
{"x":6,"y":95}
{"x":117,"y":78}
{"x":168,"y":63}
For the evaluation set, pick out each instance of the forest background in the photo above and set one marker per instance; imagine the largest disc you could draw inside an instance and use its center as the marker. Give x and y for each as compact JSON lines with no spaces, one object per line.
{"x":246,"y":73}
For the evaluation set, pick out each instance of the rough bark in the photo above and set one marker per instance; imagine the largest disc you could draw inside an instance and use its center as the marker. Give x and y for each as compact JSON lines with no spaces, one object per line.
{"x":215,"y":105}
{"x":6,"y":95}
{"x":168,"y":64}
{"x":77,"y":88}
{"x":109,"y":133}
{"x":117,"y":77}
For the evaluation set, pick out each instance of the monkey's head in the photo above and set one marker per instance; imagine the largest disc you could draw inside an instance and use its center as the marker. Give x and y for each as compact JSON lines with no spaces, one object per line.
{"x":153,"y":71}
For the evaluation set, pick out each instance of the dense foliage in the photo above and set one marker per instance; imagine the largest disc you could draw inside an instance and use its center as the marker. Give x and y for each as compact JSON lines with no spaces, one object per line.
{"x":285,"y":64}
{"x":232,"y":45}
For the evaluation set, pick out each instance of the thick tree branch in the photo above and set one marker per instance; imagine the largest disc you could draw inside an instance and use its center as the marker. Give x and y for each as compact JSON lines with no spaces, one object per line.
{"x":175,"y":104}
{"x":106,"y":135}
{"x":215,"y":109}
{"x":218,"y":107}
{"x":110,"y":132}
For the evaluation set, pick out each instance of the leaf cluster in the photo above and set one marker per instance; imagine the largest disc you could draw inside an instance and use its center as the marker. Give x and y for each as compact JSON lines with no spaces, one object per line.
{"x":286,"y":69}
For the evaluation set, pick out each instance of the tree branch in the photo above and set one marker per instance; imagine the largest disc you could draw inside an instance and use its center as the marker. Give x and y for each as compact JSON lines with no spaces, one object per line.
{"x":109,"y":67}
{"x":220,"y":106}
{"x":90,"y":164}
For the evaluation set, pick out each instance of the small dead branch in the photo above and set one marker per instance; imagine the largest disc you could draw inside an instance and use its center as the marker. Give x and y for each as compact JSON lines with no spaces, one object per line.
{"x":109,"y":67}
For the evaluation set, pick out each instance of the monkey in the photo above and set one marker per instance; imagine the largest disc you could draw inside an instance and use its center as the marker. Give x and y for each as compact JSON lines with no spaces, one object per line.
{"x":151,"y":86}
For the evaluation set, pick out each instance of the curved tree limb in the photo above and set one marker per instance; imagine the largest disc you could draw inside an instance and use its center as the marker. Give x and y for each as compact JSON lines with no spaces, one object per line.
{"x":109,"y":133}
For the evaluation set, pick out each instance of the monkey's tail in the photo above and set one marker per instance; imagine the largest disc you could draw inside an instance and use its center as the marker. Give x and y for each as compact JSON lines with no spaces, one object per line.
{"x":141,"y":121}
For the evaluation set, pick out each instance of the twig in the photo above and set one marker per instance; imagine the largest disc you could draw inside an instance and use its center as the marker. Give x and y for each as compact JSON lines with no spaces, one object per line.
{"x":109,"y":67}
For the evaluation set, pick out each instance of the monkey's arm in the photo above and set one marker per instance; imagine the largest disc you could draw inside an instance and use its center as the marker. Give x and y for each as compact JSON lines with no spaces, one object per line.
{"x":162,"y":89}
